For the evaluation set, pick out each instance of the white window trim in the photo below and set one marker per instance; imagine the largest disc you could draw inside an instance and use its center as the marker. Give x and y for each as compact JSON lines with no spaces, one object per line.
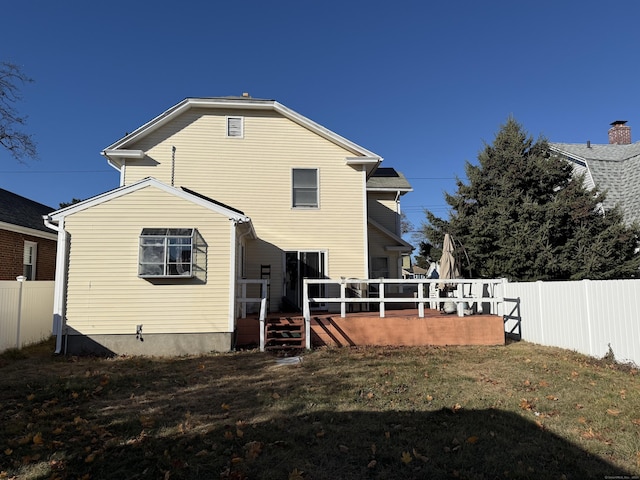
{"x":34,"y":257}
{"x":230,"y":118}
{"x":303,"y":207}
{"x":166,"y":247}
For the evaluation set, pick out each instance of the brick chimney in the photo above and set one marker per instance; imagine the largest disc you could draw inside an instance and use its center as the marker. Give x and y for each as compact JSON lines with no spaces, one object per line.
{"x":619,"y":133}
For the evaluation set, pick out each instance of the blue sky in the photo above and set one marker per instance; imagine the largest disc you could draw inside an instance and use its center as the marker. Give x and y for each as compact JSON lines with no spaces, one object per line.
{"x":423,"y":84}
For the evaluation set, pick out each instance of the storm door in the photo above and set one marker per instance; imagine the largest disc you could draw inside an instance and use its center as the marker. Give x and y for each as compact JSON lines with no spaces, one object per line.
{"x":298,"y":266}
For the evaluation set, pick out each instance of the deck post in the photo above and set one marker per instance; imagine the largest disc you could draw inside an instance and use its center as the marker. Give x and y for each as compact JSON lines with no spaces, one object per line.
{"x":460,"y":303}
{"x":381,"y":296}
{"x":421,"y":300}
{"x":263,"y":308}
{"x":343,"y":294}
{"x":306,"y":310}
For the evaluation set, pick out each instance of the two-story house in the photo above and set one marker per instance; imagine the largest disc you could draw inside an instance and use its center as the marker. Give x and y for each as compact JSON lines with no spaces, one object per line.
{"x":214,"y":190}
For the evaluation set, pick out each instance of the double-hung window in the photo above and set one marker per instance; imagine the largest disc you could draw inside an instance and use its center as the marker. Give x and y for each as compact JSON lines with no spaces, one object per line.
{"x":305,"y":188}
{"x":29,"y":260}
{"x":166,"y":252}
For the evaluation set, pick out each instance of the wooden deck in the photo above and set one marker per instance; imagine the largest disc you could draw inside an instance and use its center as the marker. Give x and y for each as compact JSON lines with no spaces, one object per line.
{"x":397,"y":328}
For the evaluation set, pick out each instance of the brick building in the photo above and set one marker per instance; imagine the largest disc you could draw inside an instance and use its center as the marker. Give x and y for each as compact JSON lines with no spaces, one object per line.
{"x":27,"y":246}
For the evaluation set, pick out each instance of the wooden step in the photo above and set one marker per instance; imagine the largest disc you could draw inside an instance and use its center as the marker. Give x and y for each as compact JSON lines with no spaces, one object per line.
{"x":284,"y":333}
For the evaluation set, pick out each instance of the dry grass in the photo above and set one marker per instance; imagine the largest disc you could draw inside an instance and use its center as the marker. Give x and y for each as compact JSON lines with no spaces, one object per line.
{"x":518,"y":411}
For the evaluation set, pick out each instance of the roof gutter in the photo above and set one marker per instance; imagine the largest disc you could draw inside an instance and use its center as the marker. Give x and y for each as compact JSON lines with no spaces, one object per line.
{"x":59,"y":322}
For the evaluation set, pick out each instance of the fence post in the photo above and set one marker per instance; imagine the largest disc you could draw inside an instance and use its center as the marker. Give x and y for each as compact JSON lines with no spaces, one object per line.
{"x":20,"y":280}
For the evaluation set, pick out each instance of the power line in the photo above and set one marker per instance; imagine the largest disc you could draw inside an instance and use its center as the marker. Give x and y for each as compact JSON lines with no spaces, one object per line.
{"x":58,"y":171}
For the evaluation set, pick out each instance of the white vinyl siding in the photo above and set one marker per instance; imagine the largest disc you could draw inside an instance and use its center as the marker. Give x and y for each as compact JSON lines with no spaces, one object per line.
{"x":382,"y":209}
{"x":105,"y":294}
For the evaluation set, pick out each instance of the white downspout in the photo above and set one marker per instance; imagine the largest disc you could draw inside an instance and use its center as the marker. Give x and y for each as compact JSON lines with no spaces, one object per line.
{"x":59,"y":322}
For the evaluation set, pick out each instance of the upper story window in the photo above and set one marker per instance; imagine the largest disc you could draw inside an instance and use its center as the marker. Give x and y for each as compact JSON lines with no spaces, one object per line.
{"x":305,"y":188}
{"x":166,"y":252}
{"x":29,"y":260}
{"x":235,"y":127}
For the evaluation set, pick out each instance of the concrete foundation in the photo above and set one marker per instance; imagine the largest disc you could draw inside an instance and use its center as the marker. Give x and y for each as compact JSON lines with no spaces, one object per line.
{"x":158,"y":344}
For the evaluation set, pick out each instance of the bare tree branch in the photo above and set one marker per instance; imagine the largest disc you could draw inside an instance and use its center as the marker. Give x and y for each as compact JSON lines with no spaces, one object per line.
{"x":12,"y":137}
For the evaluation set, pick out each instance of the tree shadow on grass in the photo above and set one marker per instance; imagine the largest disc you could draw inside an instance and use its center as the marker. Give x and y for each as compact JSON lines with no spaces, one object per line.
{"x":239,"y":417}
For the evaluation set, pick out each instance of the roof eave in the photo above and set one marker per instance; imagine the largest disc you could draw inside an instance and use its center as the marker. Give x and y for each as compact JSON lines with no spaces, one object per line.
{"x":244,"y":104}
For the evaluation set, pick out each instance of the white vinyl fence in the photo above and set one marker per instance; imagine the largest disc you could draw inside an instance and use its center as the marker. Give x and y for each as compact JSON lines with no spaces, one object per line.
{"x":587,"y":316}
{"x":25,"y":313}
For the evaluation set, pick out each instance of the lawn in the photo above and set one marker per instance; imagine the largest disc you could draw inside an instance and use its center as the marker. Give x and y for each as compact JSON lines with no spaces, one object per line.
{"x":514,"y":411}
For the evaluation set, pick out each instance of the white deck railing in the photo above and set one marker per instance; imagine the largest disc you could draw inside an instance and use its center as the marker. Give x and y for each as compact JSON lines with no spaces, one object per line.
{"x":242,"y":299}
{"x":486,"y":291}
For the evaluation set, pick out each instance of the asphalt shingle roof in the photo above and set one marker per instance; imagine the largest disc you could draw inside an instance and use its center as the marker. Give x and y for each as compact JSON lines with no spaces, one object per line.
{"x":388,"y":178}
{"x":21,"y":211}
{"x":614,"y":169}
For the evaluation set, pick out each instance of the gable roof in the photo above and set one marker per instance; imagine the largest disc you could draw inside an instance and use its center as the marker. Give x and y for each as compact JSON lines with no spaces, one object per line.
{"x":120,"y":149}
{"x":184,"y":193}
{"x":387,"y":179}
{"x":614,"y":169}
{"x":19,"y":211}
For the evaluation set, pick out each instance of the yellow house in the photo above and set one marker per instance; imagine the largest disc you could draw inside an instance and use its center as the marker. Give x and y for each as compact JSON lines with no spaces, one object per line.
{"x":212,"y":191}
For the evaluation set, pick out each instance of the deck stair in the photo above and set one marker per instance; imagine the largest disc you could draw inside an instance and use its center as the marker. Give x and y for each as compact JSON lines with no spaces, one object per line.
{"x":284,"y":333}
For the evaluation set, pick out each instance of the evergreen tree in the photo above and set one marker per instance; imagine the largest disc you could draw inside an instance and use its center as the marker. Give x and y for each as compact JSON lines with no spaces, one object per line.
{"x":524,"y":216}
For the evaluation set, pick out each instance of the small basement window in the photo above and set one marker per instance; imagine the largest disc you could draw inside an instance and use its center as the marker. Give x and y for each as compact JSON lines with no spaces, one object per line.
{"x":166,"y":252}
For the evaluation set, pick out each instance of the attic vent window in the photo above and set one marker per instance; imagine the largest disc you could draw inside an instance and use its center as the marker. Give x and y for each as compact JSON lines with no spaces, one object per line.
{"x":166,"y":252}
{"x":235,"y":127}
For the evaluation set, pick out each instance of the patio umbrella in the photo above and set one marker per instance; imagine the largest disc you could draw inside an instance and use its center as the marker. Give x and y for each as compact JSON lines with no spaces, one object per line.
{"x":448,"y":265}
{"x":448,"y":269}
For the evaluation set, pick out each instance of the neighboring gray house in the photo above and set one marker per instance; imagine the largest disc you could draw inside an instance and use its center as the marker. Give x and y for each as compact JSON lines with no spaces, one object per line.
{"x":614,"y":168}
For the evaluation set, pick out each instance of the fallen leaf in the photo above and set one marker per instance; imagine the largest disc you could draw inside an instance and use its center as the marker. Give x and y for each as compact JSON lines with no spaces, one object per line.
{"x":457,"y":407}
{"x":373,"y":448}
{"x":320,"y":434}
{"x":239,"y":433}
{"x":236,"y":460}
{"x":406,"y":458}
{"x":225,"y":406}
{"x":228,"y":435}
{"x":253,"y":450}
{"x":90,"y":458}
{"x":551,"y":397}
{"x":275,"y":395}
{"x":37,"y":439}
{"x":8,"y":451}
{"x":343,"y":448}
{"x":612,"y":411}
{"x":582,"y":420}
{"x":429,"y":398}
{"x":524,"y":404}
{"x":31,"y":396}
{"x":420,"y":457}
{"x":574,"y":374}
{"x":543,"y":383}
{"x":636,"y":421}
{"x":370,"y":395}
{"x":296,"y":474}
{"x":372,"y":464}
{"x":473,"y":439}
{"x":387,"y":435}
